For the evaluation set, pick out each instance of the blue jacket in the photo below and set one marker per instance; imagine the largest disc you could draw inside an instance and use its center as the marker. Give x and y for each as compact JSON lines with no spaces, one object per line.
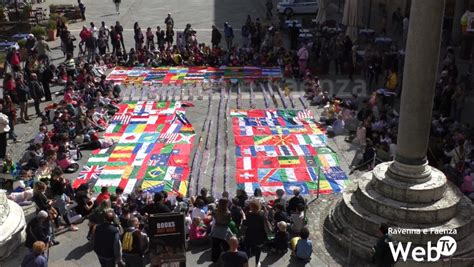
{"x":228,"y":32}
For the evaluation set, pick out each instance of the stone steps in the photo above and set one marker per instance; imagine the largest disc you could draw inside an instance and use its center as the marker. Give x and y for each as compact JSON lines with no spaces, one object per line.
{"x":347,"y":218}
{"x":425,"y":192}
{"x":368,"y":222}
{"x":438,"y":211}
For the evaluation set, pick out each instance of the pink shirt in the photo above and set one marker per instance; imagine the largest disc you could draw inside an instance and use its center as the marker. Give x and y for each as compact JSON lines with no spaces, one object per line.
{"x":196,"y":232}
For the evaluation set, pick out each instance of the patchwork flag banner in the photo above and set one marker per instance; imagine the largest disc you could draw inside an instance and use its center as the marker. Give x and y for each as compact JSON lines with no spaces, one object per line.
{"x":185,"y":75}
{"x":152,"y":149}
{"x":284,"y":149}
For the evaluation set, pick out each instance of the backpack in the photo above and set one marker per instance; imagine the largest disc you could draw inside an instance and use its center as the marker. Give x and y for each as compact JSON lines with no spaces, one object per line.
{"x":127,"y":241}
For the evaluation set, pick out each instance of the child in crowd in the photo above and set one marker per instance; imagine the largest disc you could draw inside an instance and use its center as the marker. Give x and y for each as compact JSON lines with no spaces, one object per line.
{"x":282,"y":237}
{"x":297,"y":219}
{"x":302,"y":246}
{"x":198,"y":232}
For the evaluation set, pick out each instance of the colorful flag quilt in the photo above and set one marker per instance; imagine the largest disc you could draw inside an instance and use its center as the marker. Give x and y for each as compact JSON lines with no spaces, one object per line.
{"x":153,"y":142}
{"x":284,"y":149}
{"x":186,"y":75}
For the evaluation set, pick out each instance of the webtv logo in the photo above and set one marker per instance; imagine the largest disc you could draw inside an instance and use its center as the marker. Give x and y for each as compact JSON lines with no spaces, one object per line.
{"x":446,"y":246}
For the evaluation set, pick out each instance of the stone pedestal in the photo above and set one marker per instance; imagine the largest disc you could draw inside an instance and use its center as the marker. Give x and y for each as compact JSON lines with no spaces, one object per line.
{"x":408,"y":194}
{"x":376,"y":198}
{"x":12,"y":226}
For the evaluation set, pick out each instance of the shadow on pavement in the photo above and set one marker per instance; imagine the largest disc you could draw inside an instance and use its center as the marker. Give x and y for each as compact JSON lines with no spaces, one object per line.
{"x":78,"y":252}
{"x":271,"y":259}
{"x":205,"y":257}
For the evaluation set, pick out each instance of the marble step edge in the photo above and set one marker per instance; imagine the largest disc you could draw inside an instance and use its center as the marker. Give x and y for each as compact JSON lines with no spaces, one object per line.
{"x":438,"y":211}
{"x":368,"y":222}
{"x":425,"y":192}
{"x":349,"y":236}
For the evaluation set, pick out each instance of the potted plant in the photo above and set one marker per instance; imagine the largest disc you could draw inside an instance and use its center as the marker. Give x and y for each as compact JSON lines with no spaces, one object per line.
{"x":38,"y":31}
{"x":52,"y":8}
{"x":27,"y":12}
{"x":51,"y":29}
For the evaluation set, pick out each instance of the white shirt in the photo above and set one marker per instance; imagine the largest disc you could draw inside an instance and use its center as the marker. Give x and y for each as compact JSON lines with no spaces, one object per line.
{"x":95,"y":32}
{"x":105,"y":31}
{"x":197,"y":212}
{"x":39,"y":138}
{"x":405,"y":24}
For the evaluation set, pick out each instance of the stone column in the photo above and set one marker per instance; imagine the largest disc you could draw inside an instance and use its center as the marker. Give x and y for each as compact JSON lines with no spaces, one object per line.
{"x":459,"y":10}
{"x":419,"y":77}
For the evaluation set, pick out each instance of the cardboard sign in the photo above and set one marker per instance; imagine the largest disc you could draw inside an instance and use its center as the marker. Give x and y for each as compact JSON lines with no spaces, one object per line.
{"x":167,"y":239}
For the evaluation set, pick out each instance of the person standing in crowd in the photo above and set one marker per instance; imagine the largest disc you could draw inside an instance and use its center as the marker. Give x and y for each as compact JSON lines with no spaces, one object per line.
{"x":37,"y":93}
{"x":43,"y":50}
{"x":269,"y":6}
{"x":23,"y":94}
{"x":82,"y":9}
{"x":216,"y":36}
{"x":134,"y":244}
{"x":38,"y":229}
{"x":107,"y":243}
{"x":160,"y":37}
{"x":105,"y":32}
{"x":139,"y":38}
{"x":4,"y":129}
{"x":119,"y":31}
{"x":36,"y":257}
{"x":245,"y":36}
{"x":14,"y":59}
{"x":149,"y":38}
{"x":46,"y":77}
{"x":294,"y":33}
{"x":229,"y":35}
{"x":219,"y":230}
{"x":9,"y":109}
{"x":255,"y":234}
{"x":117,"y":6}
{"x":169,"y":22}
{"x":303,"y":56}
{"x":397,"y":21}
{"x":233,"y":257}
{"x":382,"y":257}
{"x":169,"y":35}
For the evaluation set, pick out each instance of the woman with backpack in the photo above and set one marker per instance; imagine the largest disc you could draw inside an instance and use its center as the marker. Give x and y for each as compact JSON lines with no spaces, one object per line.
{"x":134,"y":244}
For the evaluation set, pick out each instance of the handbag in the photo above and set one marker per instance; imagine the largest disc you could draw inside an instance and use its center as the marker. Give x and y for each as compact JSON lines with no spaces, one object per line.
{"x":53,"y":213}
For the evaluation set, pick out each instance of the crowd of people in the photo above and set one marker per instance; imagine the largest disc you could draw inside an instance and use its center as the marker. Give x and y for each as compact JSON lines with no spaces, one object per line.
{"x":372,"y":121}
{"x":235,"y":228}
